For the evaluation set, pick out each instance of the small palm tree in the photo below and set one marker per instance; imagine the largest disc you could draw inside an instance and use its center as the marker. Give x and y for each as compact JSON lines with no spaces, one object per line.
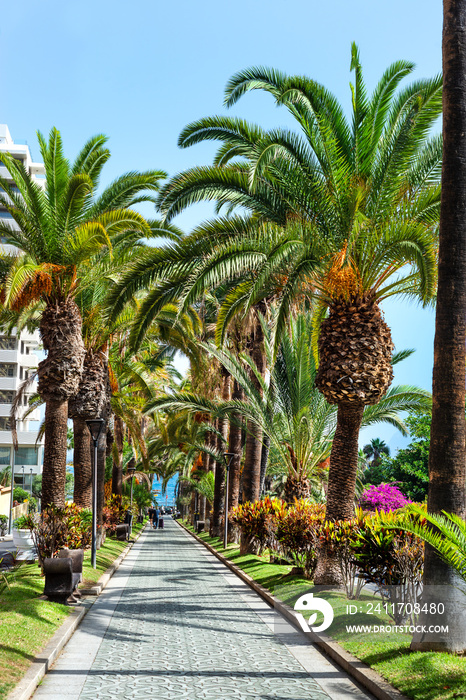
{"x":375,"y":449}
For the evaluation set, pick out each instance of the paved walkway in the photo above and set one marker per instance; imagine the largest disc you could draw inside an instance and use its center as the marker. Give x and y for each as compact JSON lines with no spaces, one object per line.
{"x":174,"y":623}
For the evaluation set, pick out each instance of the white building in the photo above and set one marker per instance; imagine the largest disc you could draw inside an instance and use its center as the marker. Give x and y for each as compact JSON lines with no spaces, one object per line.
{"x":17,"y":358}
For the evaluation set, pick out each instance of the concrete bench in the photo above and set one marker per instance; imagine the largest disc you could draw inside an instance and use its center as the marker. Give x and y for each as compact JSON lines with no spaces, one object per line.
{"x":63,"y":573}
{"x":122,"y":532}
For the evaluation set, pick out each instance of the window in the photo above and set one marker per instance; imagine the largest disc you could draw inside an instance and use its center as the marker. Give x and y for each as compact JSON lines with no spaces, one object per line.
{"x":4,"y":456}
{"x":7,"y":343}
{"x":25,"y":349}
{"x":26,"y":456}
{"x":7,"y":370}
{"x":4,"y":423}
{"x":7,"y":396}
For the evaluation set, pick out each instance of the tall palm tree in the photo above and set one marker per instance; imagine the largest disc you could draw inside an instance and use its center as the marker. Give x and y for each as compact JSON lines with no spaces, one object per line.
{"x":447,"y":455}
{"x":57,"y":230}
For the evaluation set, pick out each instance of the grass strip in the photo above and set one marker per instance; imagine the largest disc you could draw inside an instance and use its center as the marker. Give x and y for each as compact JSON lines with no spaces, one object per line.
{"x":27,"y":623}
{"x":419,"y":675}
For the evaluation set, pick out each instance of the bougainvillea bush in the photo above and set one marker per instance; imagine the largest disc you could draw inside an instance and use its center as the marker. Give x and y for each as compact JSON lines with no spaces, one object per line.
{"x":383,"y":497}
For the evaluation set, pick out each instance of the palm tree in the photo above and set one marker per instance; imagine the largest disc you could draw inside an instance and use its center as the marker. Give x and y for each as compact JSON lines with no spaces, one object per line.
{"x":375,"y":449}
{"x":447,"y":455}
{"x":57,"y":230}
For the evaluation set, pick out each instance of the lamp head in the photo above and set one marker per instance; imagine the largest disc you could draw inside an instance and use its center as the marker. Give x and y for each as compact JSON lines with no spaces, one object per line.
{"x":131,"y":468}
{"x":95,"y":426}
{"x":228,"y":458}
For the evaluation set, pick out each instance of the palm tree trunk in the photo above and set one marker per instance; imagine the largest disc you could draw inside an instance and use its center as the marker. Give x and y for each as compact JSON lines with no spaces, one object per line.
{"x":117,"y":473}
{"x":55,"y":448}
{"x":342,"y":483}
{"x":251,"y":482}
{"x":447,"y":455}
{"x":82,"y":464}
{"x":219,"y":492}
{"x":253,"y":455}
{"x":59,"y":376}
{"x":235,"y":447}
{"x":264,"y":461}
{"x":101,"y":458}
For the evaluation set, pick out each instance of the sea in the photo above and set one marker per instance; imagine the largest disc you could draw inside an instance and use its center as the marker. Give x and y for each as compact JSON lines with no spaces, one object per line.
{"x":168,"y":498}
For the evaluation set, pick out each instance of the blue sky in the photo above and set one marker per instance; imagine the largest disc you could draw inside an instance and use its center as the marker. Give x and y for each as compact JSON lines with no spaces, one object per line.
{"x":140,"y":71}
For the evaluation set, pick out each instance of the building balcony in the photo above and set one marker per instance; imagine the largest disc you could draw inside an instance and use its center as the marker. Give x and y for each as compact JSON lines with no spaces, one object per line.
{"x":27,"y":438}
{"x":9,"y":356}
{"x":9,"y":383}
{"x":27,"y":360}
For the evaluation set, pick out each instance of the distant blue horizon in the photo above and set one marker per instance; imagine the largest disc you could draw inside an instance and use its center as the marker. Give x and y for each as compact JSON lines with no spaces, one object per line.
{"x":168,"y":499}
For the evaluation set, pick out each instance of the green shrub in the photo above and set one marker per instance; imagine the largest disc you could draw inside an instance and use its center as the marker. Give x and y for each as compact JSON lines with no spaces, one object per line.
{"x":56,"y":528}
{"x":392,"y":559}
{"x":3,"y":525}
{"x":114,"y":511}
{"x":20,"y":494}
{"x":297,"y":529}
{"x":22,"y":523}
{"x":258,"y":521}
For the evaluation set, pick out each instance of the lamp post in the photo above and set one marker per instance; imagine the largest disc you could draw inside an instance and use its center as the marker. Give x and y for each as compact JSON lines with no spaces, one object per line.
{"x":22,"y":483}
{"x":31,"y":470}
{"x":228,"y":458}
{"x":95,"y":428}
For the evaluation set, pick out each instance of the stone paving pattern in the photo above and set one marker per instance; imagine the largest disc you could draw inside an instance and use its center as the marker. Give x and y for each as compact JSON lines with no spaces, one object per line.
{"x":177,"y":630}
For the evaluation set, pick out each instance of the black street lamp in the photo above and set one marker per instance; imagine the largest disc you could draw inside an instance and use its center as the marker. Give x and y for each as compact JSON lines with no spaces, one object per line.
{"x":95,"y":426}
{"x":228,"y":458}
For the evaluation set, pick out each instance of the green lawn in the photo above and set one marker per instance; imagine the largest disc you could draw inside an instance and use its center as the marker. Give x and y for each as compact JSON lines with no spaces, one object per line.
{"x":27,"y":622}
{"x":419,"y":675}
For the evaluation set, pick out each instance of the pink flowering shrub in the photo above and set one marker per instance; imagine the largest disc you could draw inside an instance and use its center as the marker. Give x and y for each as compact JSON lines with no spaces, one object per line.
{"x":382,"y":497}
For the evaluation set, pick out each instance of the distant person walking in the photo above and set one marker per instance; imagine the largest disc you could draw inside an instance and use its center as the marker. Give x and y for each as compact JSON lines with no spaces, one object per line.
{"x":151,"y":515}
{"x":156,"y":518}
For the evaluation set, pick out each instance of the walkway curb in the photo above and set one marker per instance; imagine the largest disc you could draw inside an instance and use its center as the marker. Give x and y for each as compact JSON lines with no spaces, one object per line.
{"x":42,"y":663}
{"x":361,"y":672}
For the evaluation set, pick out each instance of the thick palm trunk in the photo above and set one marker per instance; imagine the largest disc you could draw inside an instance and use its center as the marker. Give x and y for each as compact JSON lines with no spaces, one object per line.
{"x":264,"y":462}
{"x":253,"y":454}
{"x":59,"y":376}
{"x":447,"y":455}
{"x":222,"y":440}
{"x":55,"y":447}
{"x":296,"y":488}
{"x":341,"y":483}
{"x":235,"y":447}
{"x":82,"y":464}
{"x":117,"y":473}
{"x":251,"y":482}
{"x":101,"y":458}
